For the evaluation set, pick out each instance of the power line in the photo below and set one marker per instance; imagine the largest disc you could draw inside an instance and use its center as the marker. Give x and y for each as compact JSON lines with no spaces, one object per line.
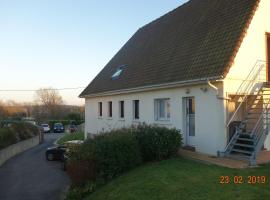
{"x":32,"y":90}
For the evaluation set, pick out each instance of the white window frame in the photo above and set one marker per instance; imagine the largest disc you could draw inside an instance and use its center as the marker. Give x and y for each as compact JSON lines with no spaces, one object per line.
{"x":167,"y":111}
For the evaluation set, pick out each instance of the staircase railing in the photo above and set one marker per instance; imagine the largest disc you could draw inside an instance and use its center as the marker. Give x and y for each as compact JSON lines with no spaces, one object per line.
{"x":261,"y":130}
{"x":250,"y":85}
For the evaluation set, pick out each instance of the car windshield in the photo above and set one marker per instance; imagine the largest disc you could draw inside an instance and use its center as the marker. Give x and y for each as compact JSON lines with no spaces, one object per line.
{"x":44,"y":125}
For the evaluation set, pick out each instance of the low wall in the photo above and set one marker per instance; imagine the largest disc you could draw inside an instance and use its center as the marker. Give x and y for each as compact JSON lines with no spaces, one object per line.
{"x":17,"y":148}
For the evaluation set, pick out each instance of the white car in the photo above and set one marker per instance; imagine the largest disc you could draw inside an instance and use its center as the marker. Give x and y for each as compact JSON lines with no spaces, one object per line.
{"x":46,"y":128}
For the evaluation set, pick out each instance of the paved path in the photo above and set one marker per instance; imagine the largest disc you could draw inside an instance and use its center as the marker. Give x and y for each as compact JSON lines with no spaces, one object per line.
{"x":29,"y":176}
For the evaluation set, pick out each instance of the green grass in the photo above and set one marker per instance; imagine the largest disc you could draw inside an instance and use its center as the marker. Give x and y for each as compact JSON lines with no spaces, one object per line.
{"x":71,"y":136}
{"x":183,"y":179}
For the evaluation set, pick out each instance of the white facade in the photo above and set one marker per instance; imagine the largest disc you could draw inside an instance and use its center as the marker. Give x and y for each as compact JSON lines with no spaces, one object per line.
{"x":211,"y":106}
{"x":209,"y":114}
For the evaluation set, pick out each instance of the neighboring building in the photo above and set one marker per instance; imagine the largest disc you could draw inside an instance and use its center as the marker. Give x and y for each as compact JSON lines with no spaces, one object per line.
{"x":200,"y":68}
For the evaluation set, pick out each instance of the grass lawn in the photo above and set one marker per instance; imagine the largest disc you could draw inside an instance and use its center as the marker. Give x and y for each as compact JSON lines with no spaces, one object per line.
{"x":183,"y":179}
{"x":71,"y":136}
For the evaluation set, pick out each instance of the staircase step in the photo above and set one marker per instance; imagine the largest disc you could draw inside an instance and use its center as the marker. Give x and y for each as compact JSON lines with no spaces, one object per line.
{"x":244,"y":134}
{"x":244,"y":145}
{"x":246,"y":139}
{"x":242,"y":151}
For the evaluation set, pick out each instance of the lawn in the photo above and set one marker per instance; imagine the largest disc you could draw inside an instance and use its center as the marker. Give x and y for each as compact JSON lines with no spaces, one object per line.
{"x":184,"y":179}
{"x":71,"y":136}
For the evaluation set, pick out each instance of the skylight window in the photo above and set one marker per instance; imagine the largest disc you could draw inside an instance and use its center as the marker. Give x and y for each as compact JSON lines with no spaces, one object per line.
{"x":118,"y":72}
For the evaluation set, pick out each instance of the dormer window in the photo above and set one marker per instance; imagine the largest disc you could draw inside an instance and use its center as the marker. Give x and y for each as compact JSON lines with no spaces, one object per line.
{"x":118,"y":71}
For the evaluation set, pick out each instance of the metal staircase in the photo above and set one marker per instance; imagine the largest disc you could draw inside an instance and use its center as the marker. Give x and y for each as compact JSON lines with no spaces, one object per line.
{"x":250,"y":135}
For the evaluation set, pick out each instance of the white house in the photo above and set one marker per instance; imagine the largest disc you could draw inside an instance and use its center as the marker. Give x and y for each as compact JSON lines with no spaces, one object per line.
{"x":201,"y":68}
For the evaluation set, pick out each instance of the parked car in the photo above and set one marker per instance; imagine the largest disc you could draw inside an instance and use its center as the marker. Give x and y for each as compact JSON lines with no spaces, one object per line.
{"x":72,"y":128}
{"x":46,"y":128}
{"x":56,"y":152}
{"x":58,"y":128}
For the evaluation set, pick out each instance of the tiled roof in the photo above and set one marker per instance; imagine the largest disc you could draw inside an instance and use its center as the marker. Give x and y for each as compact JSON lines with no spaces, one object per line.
{"x":196,"y":40}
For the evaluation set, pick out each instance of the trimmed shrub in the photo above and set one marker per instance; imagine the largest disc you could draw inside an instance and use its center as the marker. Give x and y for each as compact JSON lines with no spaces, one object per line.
{"x":7,"y":137}
{"x":157,"y":143}
{"x":116,"y":152}
{"x":107,"y":155}
{"x":24,"y":130}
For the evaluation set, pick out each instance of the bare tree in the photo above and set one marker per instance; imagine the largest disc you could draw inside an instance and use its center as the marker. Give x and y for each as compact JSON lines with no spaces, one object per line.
{"x":50,"y":101}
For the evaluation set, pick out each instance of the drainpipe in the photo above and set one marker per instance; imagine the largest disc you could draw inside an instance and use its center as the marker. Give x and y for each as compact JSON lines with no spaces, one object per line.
{"x":217,"y":91}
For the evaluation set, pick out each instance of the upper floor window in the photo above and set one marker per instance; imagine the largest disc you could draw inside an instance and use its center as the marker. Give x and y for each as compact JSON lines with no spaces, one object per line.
{"x":109,"y":109}
{"x":121,"y":109}
{"x":162,"y":109}
{"x":100,"y":109}
{"x":136,"y":109}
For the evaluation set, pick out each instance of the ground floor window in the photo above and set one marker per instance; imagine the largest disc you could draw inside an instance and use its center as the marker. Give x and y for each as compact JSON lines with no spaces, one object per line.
{"x":121,"y":109}
{"x":109,"y":109}
{"x":162,"y":109}
{"x":136,"y":109}
{"x":100,"y":109}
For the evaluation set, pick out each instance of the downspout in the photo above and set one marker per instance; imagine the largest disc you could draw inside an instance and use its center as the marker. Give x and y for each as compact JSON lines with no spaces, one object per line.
{"x":217,"y":91}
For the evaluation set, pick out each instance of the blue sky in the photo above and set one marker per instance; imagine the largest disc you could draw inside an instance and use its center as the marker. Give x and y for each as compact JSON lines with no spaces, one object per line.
{"x":65,"y":43}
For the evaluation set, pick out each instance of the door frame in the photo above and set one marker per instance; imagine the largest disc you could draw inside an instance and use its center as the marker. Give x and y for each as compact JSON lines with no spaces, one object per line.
{"x":267,"y":49}
{"x":185,"y":121}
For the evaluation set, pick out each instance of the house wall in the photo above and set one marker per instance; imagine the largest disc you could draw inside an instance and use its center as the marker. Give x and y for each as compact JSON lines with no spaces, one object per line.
{"x":252,"y":49}
{"x":209,"y":117}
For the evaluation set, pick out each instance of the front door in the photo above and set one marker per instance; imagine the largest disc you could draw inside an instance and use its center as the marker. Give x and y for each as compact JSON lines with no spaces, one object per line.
{"x":268,"y":56}
{"x":189,"y":104}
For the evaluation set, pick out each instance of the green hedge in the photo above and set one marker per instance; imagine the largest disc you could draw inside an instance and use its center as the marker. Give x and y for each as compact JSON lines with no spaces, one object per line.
{"x":116,"y":152}
{"x":157,"y":143}
{"x":24,"y":130}
{"x":110,"y":154}
{"x":7,"y":137}
{"x":17,"y":132}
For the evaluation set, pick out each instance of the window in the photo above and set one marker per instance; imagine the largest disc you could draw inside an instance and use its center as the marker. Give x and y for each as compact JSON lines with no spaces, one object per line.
{"x":121,"y":109}
{"x":162,"y":109}
{"x":118,"y":72}
{"x":109,"y":109}
{"x":100,"y":109}
{"x":136,"y":110}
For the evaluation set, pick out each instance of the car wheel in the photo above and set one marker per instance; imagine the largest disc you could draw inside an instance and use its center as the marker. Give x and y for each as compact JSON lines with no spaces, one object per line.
{"x":50,"y":156}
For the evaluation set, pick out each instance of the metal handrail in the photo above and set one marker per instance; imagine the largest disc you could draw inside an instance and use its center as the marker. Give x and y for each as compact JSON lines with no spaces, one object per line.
{"x":248,"y":88}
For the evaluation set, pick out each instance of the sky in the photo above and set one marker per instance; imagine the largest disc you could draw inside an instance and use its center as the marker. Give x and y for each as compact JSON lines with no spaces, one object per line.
{"x":65,"y":43}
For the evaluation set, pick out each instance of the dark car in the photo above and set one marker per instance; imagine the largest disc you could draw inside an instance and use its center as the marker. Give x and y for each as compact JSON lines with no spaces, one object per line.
{"x":58,"y":128}
{"x":56,"y":153}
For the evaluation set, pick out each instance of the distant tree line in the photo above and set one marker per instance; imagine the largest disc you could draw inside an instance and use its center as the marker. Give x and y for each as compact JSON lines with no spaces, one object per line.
{"x":47,"y":105}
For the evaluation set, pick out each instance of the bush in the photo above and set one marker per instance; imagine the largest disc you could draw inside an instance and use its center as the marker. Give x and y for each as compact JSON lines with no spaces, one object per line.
{"x":7,"y":137}
{"x":116,"y":152}
{"x":157,"y":143}
{"x":107,"y":156}
{"x":24,"y":130}
{"x":110,"y":154}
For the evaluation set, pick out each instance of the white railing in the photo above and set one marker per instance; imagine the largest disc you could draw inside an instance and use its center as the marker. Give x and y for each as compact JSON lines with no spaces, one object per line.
{"x":250,"y":85}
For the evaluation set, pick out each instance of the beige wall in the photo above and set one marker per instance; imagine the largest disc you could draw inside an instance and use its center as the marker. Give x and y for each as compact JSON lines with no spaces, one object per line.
{"x":209,"y":118}
{"x":252,"y":49}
